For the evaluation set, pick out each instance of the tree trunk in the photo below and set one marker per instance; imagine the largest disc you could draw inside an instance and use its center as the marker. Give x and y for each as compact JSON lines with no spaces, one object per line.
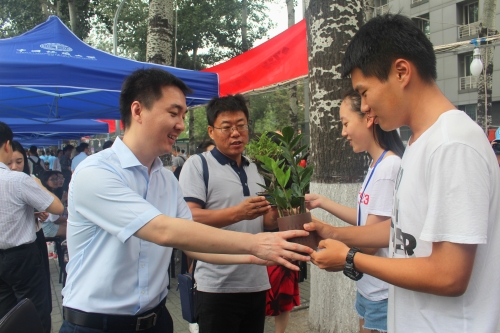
{"x":338,"y":172}
{"x":484,"y":90}
{"x":160,"y":32}
{"x":72,"y":15}
{"x":292,"y":91}
{"x":245,"y":46}
{"x":195,"y":57}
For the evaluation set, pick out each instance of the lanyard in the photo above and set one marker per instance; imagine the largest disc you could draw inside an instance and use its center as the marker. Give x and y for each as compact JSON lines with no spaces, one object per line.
{"x":367,"y":182}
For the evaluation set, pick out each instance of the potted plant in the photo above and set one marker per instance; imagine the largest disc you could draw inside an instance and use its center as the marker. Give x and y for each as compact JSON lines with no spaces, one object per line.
{"x":287,"y":183}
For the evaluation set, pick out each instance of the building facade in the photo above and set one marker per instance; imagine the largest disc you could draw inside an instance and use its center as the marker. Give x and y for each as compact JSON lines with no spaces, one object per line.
{"x":446,"y":22}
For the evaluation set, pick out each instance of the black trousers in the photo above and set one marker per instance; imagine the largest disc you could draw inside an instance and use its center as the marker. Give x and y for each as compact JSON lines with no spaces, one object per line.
{"x":231,"y":313}
{"x":22,"y":275}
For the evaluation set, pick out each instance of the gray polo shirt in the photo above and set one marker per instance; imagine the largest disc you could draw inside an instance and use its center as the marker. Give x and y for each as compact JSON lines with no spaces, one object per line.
{"x":228,"y":186}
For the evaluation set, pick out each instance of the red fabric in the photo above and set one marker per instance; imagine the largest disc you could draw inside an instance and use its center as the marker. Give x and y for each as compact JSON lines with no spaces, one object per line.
{"x":284,"y":294}
{"x":111,"y":125}
{"x":281,"y":58}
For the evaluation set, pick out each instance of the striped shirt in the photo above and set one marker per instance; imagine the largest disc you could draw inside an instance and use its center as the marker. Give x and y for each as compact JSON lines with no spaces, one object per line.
{"x":19,"y":196}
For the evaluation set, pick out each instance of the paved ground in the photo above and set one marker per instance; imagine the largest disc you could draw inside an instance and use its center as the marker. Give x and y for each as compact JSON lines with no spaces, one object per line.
{"x":297,"y":324}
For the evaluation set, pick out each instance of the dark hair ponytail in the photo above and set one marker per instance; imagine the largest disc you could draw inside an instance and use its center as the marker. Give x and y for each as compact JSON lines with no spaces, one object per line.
{"x":387,"y":140}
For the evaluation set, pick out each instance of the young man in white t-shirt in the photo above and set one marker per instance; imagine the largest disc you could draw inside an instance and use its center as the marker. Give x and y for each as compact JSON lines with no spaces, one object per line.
{"x":444,"y":234}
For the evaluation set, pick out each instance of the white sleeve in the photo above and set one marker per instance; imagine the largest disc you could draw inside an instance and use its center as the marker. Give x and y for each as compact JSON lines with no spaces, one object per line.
{"x":382,"y":197}
{"x":457,"y":179}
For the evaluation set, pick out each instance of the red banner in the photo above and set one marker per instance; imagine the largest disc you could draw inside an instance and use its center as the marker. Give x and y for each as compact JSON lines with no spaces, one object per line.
{"x":280,"y":59}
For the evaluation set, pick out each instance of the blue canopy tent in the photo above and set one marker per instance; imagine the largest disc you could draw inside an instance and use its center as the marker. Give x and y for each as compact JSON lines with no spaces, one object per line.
{"x":49,"y":73}
{"x":42,"y":133}
{"x":40,"y":127}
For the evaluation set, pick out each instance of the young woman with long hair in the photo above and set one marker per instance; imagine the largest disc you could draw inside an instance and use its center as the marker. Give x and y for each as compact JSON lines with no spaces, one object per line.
{"x":55,"y":225}
{"x":375,"y":200}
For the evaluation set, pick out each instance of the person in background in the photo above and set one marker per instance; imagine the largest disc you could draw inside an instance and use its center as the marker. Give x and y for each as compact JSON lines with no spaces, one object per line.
{"x":51,"y":158}
{"x":66,"y":165}
{"x":107,"y":144}
{"x":206,"y":145}
{"x":55,"y":225}
{"x":179,"y":159}
{"x":19,"y":162}
{"x":56,"y":164}
{"x":22,"y":274}
{"x":83,"y":148}
{"x":33,"y":159}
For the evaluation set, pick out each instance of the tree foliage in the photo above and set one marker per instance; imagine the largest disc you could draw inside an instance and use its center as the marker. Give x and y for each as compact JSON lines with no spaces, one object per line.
{"x":19,"y":16}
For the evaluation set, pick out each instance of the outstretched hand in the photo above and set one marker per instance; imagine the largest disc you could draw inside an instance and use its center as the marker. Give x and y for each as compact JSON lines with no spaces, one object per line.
{"x":252,"y":208}
{"x":313,"y":200}
{"x":273,"y":246}
{"x":331,"y":255}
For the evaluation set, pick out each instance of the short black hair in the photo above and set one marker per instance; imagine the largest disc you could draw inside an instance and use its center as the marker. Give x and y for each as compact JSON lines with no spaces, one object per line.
{"x":68,"y":147}
{"x":83,"y":146}
{"x":229,"y":103}
{"x":145,"y":86}
{"x":382,"y":40}
{"x":34,"y":150}
{"x":107,"y":144}
{"x":204,"y":145}
{"x":5,"y":134}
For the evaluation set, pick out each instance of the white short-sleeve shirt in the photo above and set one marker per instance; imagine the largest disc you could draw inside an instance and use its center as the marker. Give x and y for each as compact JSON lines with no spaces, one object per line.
{"x":447,"y":190}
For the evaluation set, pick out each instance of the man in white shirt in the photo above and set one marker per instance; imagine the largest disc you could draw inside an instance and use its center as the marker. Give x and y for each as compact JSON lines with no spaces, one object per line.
{"x":83,"y":148}
{"x":126,"y":212}
{"x":445,"y":231}
{"x":21,"y":269}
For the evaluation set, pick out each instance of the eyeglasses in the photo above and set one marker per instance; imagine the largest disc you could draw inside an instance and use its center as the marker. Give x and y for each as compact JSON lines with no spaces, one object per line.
{"x":230,"y":130}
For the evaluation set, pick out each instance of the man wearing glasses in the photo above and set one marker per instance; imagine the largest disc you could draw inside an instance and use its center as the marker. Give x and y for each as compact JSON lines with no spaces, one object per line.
{"x":230,"y":298}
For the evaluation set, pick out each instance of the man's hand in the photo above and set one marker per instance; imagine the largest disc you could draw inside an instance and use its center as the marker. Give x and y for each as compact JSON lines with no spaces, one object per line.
{"x":313,"y":200}
{"x":252,"y":208}
{"x":272,"y":246}
{"x":330,"y":256}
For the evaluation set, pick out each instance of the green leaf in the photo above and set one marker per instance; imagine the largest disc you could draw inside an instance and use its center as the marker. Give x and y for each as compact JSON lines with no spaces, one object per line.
{"x":296,"y":192}
{"x":305,"y":177}
{"x":287,"y":134}
{"x":281,"y":176}
{"x":268,"y":162}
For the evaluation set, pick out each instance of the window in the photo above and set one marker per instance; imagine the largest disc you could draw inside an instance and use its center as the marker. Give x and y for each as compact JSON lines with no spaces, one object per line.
{"x":423,"y":24}
{"x":467,"y":82}
{"x":470,"y":109}
{"x":378,"y":3}
{"x":466,"y":63}
{"x":470,"y":13}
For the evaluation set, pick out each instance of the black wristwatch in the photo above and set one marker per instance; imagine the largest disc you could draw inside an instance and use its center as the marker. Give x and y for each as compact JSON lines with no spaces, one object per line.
{"x":349,"y":269}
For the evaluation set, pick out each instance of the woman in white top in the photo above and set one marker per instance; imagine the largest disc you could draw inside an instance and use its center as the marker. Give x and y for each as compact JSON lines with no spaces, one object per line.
{"x":374,"y":202}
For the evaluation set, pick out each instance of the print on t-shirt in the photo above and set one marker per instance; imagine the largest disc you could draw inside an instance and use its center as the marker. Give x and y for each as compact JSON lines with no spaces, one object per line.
{"x":403,"y":243}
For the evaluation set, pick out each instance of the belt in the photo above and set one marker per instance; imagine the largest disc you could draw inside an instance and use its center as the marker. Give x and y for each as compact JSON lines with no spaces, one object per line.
{"x":105,"y":322}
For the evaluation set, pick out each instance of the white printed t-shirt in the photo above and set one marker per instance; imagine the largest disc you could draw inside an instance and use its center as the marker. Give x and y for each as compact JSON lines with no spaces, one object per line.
{"x":448,"y":191}
{"x":377,"y":200}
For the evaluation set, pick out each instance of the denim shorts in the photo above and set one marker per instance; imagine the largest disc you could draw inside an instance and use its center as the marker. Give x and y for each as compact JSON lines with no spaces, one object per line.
{"x":373,"y":312}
